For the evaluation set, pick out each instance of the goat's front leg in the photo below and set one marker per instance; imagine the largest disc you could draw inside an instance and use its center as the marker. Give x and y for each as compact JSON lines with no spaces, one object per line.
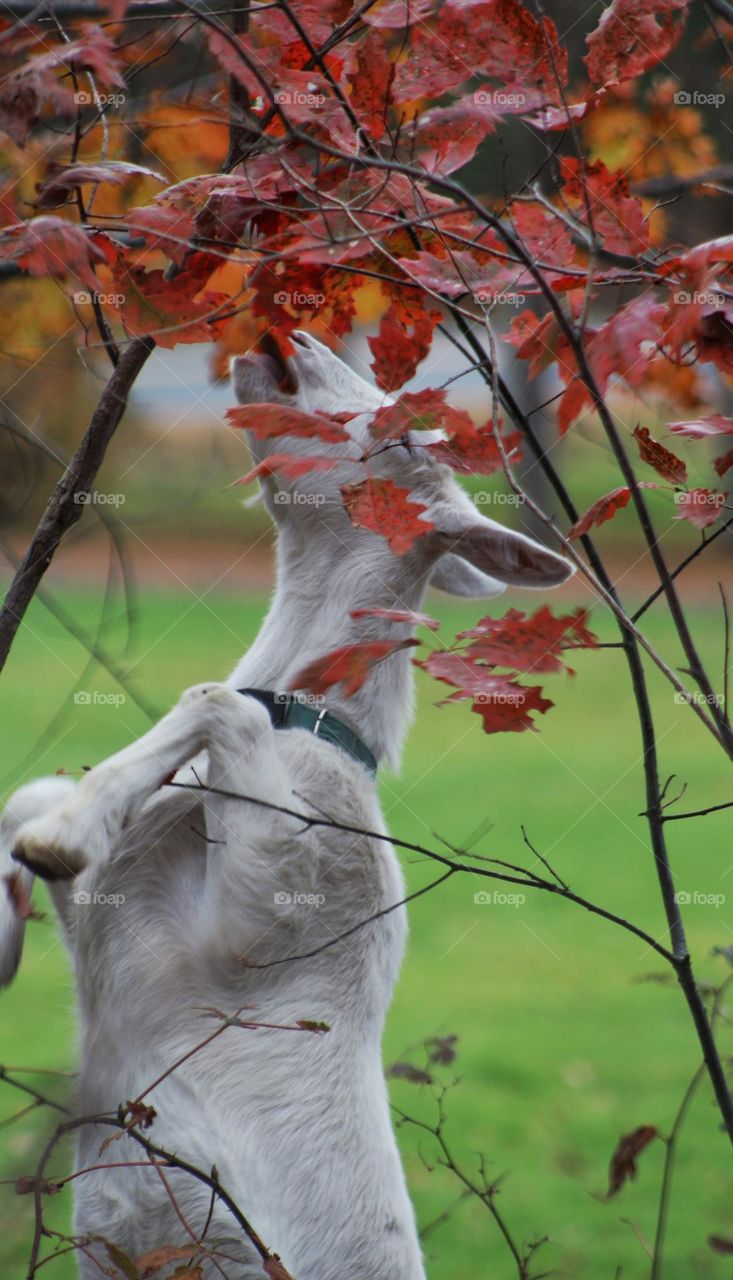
{"x":16,"y":883}
{"x":86,"y":828}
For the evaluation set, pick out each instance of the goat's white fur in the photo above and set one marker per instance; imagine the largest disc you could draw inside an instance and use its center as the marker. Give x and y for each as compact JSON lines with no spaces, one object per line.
{"x":297,"y":1124}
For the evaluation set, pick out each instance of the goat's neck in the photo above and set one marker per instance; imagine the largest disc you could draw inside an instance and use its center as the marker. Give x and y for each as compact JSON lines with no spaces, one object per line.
{"x":310,"y":616}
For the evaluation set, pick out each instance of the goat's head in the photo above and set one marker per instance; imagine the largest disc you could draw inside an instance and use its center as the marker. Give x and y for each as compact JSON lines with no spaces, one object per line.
{"x":465,"y":553}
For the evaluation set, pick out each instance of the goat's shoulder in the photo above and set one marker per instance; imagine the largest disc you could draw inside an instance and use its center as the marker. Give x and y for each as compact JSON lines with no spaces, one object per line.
{"x":328,"y":782}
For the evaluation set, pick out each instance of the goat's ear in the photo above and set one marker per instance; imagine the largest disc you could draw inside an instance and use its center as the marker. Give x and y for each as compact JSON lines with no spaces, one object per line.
{"x":459,"y":578}
{"x":502,"y":553}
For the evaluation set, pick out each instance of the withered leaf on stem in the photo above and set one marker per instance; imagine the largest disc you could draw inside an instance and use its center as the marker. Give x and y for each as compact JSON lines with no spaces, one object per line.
{"x":406,"y":1071}
{"x":623,"y":1161}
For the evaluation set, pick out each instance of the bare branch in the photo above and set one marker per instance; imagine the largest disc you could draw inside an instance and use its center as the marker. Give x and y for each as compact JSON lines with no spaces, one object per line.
{"x":64,"y":509}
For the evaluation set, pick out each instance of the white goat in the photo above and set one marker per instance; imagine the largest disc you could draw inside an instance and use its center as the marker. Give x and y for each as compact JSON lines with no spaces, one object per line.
{"x":214,"y":890}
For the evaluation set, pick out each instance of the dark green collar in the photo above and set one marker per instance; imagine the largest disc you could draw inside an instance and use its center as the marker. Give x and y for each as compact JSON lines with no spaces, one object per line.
{"x":288,"y":711}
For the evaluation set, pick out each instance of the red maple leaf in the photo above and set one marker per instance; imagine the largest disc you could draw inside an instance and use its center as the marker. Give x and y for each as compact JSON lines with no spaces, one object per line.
{"x":632,"y":36}
{"x":349,"y":665}
{"x":445,"y":143}
{"x":25,"y":91}
{"x":268,"y":420}
{"x":665,"y":463}
{"x":605,"y":508}
{"x":370,"y":84}
{"x":397,"y":352}
{"x":524,"y":643}
{"x":418,"y":411}
{"x":617,"y":216}
{"x":383,"y":507}
{"x":698,"y":259}
{"x":503,"y":704}
{"x":507,"y":708}
{"x":174,"y":310}
{"x":59,"y":180}
{"x":50,"y":246}
{"x":289,"y":466}
{"x":534,"y":338}
{"x":498,"y":38}
{"x":473,"y":450}
{"x":622,"y":347}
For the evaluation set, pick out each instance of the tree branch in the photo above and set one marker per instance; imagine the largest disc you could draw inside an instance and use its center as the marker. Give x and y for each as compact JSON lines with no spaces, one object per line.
{"x":525,"y":877}
{"x":64,"y":509}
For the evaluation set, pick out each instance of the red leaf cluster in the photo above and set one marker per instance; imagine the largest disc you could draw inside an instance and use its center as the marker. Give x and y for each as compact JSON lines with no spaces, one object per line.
{"x":518,"y":643}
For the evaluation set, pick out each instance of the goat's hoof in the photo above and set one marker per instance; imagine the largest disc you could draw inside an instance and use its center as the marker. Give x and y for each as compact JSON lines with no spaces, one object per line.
{"x":48,"y":860}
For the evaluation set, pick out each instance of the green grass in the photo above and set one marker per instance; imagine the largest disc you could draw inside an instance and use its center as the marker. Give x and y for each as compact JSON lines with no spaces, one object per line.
{"x":562,"y":1049}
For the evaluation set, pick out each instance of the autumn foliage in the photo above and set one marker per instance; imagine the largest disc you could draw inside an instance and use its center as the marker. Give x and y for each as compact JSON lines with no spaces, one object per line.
{"x":329,"y":163}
